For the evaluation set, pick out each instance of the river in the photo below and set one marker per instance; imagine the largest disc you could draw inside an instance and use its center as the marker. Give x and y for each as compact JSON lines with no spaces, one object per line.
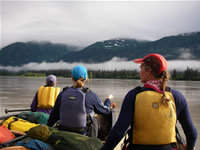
{"x":18,"y":92}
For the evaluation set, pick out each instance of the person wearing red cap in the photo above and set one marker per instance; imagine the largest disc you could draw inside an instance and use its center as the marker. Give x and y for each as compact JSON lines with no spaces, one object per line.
{"x":151,"y":111}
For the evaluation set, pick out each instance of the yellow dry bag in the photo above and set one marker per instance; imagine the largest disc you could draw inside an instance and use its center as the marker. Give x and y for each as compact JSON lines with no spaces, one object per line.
{"x":18,"y":124}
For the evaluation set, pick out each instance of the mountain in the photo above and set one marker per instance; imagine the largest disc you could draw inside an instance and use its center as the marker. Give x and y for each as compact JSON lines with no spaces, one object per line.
{"x":20,"y":53}
{"x":182,"y":46}
{"x":104,"y":51}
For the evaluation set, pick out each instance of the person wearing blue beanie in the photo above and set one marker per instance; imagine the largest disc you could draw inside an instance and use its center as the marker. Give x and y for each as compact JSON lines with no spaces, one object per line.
{"x":79,"y":72}
{"x":76,"y":106}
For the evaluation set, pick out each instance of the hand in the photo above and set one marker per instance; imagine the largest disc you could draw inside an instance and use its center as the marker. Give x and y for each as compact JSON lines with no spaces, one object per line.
{"x":113,"y":105}
{"x":110,"y":97}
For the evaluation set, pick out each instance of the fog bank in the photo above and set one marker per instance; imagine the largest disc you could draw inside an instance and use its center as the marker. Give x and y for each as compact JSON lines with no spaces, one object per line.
{"x":114,"y":64}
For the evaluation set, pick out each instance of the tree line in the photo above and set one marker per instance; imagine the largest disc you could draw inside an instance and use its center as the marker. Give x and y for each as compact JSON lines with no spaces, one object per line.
{"x":188,"y":74}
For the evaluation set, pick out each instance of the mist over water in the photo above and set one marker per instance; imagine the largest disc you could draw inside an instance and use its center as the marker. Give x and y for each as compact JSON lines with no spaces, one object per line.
{"x":114,"y":64}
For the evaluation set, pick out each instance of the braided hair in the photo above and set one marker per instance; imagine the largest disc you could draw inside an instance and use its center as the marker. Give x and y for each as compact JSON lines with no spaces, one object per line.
{"x":164,"y":77}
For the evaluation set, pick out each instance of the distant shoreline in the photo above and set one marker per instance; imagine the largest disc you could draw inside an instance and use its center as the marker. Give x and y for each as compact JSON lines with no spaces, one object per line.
{"x":187,"y":75}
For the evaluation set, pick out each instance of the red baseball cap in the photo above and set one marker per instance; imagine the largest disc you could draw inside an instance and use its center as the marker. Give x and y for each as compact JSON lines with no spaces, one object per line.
{"x":157,"y":62}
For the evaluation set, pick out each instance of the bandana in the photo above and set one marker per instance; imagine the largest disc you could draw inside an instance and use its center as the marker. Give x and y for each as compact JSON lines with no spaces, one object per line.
{"x":154,"y":84}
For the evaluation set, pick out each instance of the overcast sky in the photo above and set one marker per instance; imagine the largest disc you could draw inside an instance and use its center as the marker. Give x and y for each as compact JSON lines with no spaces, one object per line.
{"x":85,"y":22}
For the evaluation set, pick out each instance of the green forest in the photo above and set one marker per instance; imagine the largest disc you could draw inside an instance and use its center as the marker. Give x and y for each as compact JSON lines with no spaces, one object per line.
{"x":188,"y":74}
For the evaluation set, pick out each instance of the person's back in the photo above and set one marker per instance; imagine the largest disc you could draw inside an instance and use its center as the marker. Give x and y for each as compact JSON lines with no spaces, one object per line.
{"x":152,"y":111}
{"x":73,"y":102}
{"x":151,"y":119}
{"x":75,"y":106}
{"x":45,"y":97}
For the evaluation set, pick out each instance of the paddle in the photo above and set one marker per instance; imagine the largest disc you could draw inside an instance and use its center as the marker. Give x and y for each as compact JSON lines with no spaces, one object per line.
{"x":15,"y":110}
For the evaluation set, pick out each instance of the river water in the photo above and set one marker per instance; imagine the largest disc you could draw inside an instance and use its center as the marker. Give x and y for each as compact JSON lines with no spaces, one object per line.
{"x":18,"y":92}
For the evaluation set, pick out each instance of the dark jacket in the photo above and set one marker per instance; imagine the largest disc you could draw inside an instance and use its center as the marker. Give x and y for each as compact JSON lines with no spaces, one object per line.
{"x":92,"y":103}
{"x":126,"y":117}
{"x":34,"y":107}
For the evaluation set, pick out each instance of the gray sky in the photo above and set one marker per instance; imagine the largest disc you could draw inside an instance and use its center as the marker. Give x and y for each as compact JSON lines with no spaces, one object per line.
{"x":85,"y":22}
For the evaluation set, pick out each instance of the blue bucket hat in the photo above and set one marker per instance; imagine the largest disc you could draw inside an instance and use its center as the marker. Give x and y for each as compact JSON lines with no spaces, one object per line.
{"x":78,"y":72}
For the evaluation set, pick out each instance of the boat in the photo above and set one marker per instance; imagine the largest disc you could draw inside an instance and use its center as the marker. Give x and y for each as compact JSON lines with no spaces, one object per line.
{"x":105,"y":122}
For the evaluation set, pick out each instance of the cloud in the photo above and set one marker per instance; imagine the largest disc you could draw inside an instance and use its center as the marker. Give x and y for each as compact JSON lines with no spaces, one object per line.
{"x":86,"y":22}
{"x":114,"y":64}
{"x":185,"y":54}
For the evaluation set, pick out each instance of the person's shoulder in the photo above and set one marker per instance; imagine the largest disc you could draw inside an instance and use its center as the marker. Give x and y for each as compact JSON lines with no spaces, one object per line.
{"x":138,"y":89}
{"x":91,"y":93}
{"x":176,"y":92}
{"x":178,"y":97}
{"x":135,"y":91}
{"x":86,"y":90}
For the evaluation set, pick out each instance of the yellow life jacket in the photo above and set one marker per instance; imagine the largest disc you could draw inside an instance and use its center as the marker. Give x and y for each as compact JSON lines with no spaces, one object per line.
{"x":47,"y":97}
{"x":18,"y":124}
{"x":154,"y":123}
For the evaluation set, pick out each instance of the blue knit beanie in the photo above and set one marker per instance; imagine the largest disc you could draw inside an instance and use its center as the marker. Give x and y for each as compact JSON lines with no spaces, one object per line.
{"x":78,"y":72}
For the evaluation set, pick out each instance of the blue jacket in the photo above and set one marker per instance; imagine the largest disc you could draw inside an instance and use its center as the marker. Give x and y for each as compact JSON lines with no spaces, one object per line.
{"x":92,"y":103}
{"x":126,"y":117}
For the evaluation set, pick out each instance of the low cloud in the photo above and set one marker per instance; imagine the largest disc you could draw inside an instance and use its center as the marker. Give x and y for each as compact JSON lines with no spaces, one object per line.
{"x":185,"y":54}
{"x":114,"y":64}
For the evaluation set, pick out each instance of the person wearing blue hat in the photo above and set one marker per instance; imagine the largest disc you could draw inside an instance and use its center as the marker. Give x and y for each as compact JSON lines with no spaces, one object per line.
{"x":76,"y":106}
{"x":46,"y":95}
{"x":79,"y":72}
